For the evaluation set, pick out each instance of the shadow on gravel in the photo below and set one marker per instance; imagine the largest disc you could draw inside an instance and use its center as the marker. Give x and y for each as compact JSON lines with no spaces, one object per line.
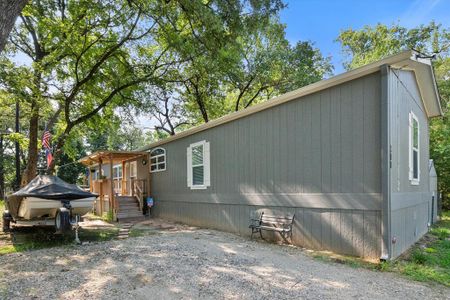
{"x":25,"y":238}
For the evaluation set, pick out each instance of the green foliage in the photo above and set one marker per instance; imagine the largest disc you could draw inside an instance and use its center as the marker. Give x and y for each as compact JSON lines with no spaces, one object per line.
{"x":429,"y":261}
{"x":108,"y":216}
{"x":233,"y":54}
{"x":373,"y":43}
{"x":418,"y":257}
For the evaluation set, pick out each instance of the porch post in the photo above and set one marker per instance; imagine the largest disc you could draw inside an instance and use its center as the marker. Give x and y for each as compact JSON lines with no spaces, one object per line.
{"x":100,"y":174}
{"x":123,"y":178}
{"x":111,"y":198}
{"x":90,"y":180}
{"x":148,"y":178}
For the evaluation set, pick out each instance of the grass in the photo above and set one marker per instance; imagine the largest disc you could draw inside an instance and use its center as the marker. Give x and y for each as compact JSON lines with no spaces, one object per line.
{"x":427,"y":261}
{"x":33,"y":238}
{"x":39,"y":238}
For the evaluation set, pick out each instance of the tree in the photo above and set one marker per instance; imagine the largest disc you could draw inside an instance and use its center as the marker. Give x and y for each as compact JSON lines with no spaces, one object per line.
{"x":373,"y":43}
{"x":231,"y":67}
{"x":10,"y":139}
{"x":77,"y":48}
{"x":205,"y":35}
{"x":166,"y":107}
{"x":9,"y":11}
{"x":90,"y":57}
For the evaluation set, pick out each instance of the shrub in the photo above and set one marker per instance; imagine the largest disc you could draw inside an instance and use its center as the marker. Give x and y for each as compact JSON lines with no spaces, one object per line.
{"x":418,"y":257}
{"x":441,"y":233}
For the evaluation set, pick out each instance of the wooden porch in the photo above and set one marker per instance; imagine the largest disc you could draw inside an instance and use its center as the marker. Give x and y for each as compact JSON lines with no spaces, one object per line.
{"x":116,"y":195}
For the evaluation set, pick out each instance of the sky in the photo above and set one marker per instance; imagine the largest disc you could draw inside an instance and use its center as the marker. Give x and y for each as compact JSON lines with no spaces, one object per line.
{"x":320,"y":21}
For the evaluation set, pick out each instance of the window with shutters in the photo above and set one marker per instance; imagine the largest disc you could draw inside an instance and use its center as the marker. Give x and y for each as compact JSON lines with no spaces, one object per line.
{"x":414,"y":149}
{"x":158,"y":160}
{"x":198,"y":171}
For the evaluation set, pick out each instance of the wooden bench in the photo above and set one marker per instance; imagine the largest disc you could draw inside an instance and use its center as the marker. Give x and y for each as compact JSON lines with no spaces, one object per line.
{"x":281,"y":224}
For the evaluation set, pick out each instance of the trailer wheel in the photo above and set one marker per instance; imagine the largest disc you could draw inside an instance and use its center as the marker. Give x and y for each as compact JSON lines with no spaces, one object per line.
{"x":6,"y":220}
{"x":62,"y":220}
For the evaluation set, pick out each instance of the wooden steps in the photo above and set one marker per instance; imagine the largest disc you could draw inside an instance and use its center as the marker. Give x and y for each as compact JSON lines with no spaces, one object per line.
{"x":125,"y":231}
{"x":128,"y":209}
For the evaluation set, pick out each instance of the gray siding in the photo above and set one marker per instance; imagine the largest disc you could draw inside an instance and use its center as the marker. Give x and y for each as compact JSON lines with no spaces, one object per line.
{"x":409,"y":203}
{"x":317,"y":157}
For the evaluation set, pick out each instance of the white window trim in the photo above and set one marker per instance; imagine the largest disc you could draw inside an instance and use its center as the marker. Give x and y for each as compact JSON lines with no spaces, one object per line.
{"x":118,"y":167}
{"x":206,"y":166}
{"x":135,"y":169}
{"x":119,"y":176}
{"x":414,"y":181}
{"x":159,"y":155}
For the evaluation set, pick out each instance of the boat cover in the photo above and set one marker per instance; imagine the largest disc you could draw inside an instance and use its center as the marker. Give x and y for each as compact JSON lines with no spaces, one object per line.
{"x":46,"y":187}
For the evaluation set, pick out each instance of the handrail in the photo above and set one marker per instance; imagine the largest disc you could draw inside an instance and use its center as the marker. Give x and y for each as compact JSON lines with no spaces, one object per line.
{"x":138,"y":192}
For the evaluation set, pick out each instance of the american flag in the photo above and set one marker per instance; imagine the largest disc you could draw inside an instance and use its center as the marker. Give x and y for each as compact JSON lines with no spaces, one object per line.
{"x":46,"y":139}
{"x":49,"y":156}
{"x":46,"y":145}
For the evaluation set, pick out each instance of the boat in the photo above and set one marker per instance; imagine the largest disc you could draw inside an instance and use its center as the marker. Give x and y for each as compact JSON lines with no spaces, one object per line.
{"x":36,"y":208}
{"x":47,"y":200}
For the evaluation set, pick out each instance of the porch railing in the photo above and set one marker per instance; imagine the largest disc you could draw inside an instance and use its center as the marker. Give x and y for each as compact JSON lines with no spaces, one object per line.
{"x":138,"y":190}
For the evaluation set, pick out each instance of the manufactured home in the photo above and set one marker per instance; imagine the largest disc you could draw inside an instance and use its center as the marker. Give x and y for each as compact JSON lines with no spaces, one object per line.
{"x":348,"y":156}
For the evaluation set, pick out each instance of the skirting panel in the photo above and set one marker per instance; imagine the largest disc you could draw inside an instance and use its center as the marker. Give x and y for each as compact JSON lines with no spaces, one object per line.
{"x":352,"y":232}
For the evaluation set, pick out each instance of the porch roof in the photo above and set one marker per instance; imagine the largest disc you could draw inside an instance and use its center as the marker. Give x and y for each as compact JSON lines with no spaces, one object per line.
{"x":106,"y":156}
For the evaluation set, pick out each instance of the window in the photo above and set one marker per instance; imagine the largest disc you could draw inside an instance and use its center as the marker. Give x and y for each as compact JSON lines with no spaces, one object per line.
{"x":414,"y":146}
{"x":198,"y":171}
{"x":133,"y":169}
{"x":117,"y":177}
{"x":157,"y":160}
{"x":117,"y":171}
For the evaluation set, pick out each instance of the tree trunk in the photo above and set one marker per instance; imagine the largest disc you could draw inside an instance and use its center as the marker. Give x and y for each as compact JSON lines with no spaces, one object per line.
{"x":2,"y":177}
{"x":18,"y":150}
{"x":31,"y":169}
{"x":9,"y":10}
{"x":58,"y":148}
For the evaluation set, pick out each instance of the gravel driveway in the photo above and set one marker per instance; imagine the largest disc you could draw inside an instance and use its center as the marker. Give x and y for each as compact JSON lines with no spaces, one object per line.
{"x":177,"y":262}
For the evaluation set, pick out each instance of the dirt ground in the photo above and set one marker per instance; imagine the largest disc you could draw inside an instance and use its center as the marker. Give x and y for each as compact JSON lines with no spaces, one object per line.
{"x":172,"y":261}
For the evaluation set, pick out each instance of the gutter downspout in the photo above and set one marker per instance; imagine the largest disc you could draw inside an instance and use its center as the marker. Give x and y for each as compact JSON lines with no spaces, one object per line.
{"x":386,"y":164}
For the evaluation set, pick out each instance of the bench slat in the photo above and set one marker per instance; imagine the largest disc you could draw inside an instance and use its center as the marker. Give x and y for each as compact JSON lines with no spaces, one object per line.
{"x":273,"y":228}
